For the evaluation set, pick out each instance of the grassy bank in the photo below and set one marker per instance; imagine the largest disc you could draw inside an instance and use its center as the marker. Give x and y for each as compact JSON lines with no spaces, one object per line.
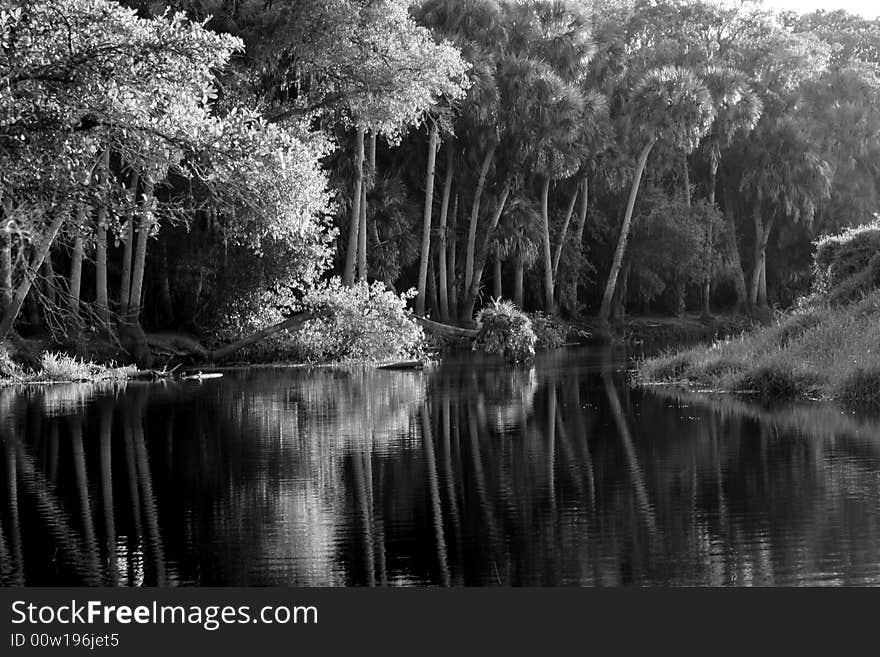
{"x":829,"y":348}
{"x":59,"y":368}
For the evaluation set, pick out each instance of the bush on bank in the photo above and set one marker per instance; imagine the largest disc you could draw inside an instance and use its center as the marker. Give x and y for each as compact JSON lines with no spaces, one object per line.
{"x":507,"y":331}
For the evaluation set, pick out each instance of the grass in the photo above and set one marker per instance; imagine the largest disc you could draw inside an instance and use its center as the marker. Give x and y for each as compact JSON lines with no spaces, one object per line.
{"x":58,"y":368}
{"x":830,"y":352}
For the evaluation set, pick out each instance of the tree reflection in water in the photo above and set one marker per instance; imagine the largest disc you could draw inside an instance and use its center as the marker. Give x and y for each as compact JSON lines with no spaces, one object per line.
{"x":472,"y":473}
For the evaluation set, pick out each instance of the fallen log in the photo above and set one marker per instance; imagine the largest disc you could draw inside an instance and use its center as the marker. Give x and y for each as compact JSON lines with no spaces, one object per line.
{"x":401,"y":365}
{"x":292,"y":322}
{"x":445,"y":330}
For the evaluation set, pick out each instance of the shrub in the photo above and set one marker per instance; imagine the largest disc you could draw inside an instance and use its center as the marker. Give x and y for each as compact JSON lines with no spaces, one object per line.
{"x":362,"y":323}
{"x":549,"y":332}
{"x":9,"y":369}
{"x":61,"y":367}
{"x":775,"y":381}
{"x":862,"y":385}
{"x":847,"y":265}
{"x":794,"y":326}
{"x":718,"y":368}
{"x":667,"y":367}
{"x":507,"y":331}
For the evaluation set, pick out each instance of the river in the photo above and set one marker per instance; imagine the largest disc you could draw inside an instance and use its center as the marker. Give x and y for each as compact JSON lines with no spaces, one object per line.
{"x":468,"y":473}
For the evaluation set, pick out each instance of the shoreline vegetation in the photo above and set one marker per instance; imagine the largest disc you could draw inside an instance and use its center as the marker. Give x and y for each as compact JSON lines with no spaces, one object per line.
{"x":205,"y":191}
{"x":827,"y":348}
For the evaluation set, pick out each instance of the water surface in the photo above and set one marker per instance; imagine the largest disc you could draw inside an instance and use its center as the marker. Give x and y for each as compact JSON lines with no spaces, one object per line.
{"x":471,"y":473}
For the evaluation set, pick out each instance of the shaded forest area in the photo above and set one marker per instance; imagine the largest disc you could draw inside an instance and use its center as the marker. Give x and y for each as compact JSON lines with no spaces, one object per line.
{"x":203,"y":165}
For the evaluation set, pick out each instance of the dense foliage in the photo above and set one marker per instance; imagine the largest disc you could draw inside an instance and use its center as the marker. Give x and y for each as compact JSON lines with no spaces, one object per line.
{"x":203,"y":165}
{"x":507,"y":331}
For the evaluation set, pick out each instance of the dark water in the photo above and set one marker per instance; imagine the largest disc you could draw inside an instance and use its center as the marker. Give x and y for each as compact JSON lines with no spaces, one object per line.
{"x":468,"y":474}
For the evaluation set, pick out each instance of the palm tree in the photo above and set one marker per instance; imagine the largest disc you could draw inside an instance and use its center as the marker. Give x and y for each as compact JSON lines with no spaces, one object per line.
{"x":737,"y":111}
{"x":519,"y":237}
{"x":784,"y":176}
{"x":433,"y":145}
{"x":669,"y":104}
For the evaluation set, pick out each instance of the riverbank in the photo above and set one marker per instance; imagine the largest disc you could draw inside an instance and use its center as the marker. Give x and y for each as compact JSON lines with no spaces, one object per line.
{"x":92,"y":358}
{"x":827,"y":352}
{"x":829,"y":348}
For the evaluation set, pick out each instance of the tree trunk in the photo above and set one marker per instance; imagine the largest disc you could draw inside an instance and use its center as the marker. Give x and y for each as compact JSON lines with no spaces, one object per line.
{"x":5,"y":258}
{"x":24,"y":287}
{"x":759,"y":275}
{"x":144,"y":229}
{"x":686,"y":178}
{"x":470,"y":293}
{"x":497,"y":291}
{"x":731,"y":247}
{"x":352,"y":252}
{"x":518,"y":279}
{"x":292,"y":322}
{"x":475,"y":216}
{"x":452,"y":282}
{"x":362,"y":230}
{"x":620,"y":296}
{"x":568,"y":214}
{"x":547,"y":254}
{"x":76,"y":260}
{"x":756,"y":264}
{"x":432,"y":289}
{"x":442,"y":255}
{"x":101,"y":296}
{"x":579,"y":233}
{"x":762,"y":284}
{"x":128,"y":246}
{"x":758,"y":293}
{"x":605,"y":310}
{"x":433,"y":141}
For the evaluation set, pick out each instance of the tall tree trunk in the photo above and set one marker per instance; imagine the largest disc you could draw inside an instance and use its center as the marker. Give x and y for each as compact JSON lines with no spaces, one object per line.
{"x":756,"y":264}
{"x":442,"y":255}
{"x":128,"y":248}
{"x":24,"y":287}
{"x":352,"y":252}
{"x":365,"y":186}
{"x":579,"y":232}
{"x":759,"y":272}
{"x":519,"y":270}
{"x":433,"y":141}
{"x":568,"y":214}
{"x":5,"y":258}
{"x":547,"y":254}
{"x":686,"y":179}
{"x":76,"y":260}
{"x":475,"y":216}
{"x":497,"y":292}
{"x":432,"y":289}
{"x":762,"y":236}
{"x":619,"y":309}
{"x":762,"y":284}
{"x":144,"y":229}
{"x":101,"y":296}
{"x":731,"y":247}
{"x":470,"y":293}
{"x":452,"y":281}
{"x":605,"y":310}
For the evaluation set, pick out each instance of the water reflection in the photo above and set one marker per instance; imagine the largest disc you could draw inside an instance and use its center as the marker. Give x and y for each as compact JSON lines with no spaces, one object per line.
{"x":469,"y":474}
